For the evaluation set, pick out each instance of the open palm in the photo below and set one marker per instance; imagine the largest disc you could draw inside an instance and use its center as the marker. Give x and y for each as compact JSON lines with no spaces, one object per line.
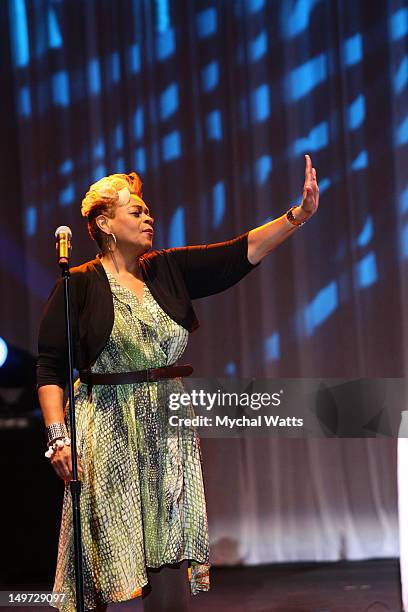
{"x":310,"y":199}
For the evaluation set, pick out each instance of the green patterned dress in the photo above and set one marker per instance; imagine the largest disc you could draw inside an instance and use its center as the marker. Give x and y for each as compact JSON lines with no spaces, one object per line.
{"x":142,"y":499}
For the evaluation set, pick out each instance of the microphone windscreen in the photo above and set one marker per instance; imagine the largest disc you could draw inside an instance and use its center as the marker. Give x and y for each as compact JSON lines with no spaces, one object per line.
{"x":63,"y":229}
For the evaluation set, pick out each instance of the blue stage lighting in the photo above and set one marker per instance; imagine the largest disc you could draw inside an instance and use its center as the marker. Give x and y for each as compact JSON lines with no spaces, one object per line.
{"x":399,"y":24}
{"x":165,"y":44}
{"x":3,"y":351}
{"x":321,"y":307}
{"x":177,"y":232}
{"x":302,"y":80}
{"x":260,"y":103}
{"x":401,"y":75}
{"x":403,"y":199}
{"x":24,"y":101}
{"x":218,"y":203}
{"x":140,"y":159}
{"x":366,"y":271}
{"x":272,"y":347}
{"x":402,"y":133}
{"x":258,"y":47}
{"x":31,"y":220}
{"x":356,"y":113}
{"x":214,"y":125}
{"x":209,"y":76}
{"x":171,"y":146}
{"x":263,"y":168}
{"x":366,"y":233}
{"x":54,"y":34}
{"x":361,"y":161}
{"x":353,"y":50}
{"x":19,"y":33}
{"x":206,"y":22}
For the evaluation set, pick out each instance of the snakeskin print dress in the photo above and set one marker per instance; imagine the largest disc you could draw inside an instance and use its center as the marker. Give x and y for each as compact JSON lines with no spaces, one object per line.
{"x":142,"y":495}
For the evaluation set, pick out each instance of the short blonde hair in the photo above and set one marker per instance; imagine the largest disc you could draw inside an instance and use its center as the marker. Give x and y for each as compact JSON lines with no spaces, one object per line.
{"x":102,"y":198}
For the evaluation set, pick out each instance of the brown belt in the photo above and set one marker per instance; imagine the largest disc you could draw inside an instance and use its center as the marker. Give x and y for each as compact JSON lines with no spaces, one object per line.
{"x":139,"y":376}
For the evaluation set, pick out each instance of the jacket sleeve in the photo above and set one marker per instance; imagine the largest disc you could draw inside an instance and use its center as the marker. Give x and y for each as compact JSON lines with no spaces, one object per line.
{"x":52,"y":362}
{"x":209,"y":269}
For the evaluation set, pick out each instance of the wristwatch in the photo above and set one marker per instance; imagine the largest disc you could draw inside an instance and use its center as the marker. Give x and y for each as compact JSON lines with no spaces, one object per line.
{"x":291,"y":218}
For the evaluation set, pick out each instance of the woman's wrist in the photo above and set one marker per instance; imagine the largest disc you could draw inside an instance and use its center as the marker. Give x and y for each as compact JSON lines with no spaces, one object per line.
{"x":56,"y":431}
{"x":299,"y":214}
{"x":296,"y":216}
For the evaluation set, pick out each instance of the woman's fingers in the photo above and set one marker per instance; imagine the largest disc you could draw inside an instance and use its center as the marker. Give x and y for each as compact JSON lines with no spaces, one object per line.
{"x":310,"y":200}
{"x":308,"y":169}
{"x":62,"y":463}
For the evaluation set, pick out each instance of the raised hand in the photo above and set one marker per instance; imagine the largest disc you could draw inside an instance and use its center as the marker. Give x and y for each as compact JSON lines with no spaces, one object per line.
{"x":310,"y":199}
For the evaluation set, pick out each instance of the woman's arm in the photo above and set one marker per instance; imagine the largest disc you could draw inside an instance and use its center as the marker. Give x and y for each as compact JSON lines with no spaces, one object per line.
{"x":211,"y":268}
{"x":264,"y":239}
{"x":51,"y":398}
{"x":52,"y":370}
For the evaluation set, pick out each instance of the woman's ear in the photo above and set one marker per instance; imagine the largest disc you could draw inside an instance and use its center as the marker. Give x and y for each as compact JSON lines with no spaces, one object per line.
{"x":103,"y":223}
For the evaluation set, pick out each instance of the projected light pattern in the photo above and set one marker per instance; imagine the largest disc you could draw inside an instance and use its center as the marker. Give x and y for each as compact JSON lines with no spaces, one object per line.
{"x":258,"y":47}
{"x":214,"y":125}
{"x":263,"y":169}
{"x":404,"y":236}
{"x":31,"y":220}
{"x":404,"y":200}
{"x":317,"y":139}
{"x":218,"y":203}
{"x":210,"y":76}
{"x":356,"y":113}
{"x":171,"y":146}
{"x":206,"y":23}
{"x":401,"y":136}
{"x":230,"y":369}
{"x":399,"y":24}
{"x":366,"y":271}
{"x":168,"y":101}
{"x":306,"y":77}
{"x":366,"y":233}
{"x":272,"y":347}
{"x":353,"y":50}
{"x":401,"y":76}
{"x":321,"y":308}
{"x":296,"y":16}
{"x":361,"y":161}
{"x":238,"y":94}
{"x":177,"y":234}
{"x":19,"y":33}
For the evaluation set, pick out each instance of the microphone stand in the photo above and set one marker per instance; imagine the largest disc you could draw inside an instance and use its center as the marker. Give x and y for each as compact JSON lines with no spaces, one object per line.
{"x":75,"y":484}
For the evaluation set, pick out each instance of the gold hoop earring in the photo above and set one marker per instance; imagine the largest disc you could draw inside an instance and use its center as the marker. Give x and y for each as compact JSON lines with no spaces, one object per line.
{"x":108,"y":237}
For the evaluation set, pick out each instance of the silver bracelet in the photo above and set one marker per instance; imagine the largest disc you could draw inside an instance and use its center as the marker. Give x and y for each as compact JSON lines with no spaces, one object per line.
{"x":56,"y":430}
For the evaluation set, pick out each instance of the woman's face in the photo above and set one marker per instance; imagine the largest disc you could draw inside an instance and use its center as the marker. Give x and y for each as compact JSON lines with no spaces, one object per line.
{"x":132,"y":224}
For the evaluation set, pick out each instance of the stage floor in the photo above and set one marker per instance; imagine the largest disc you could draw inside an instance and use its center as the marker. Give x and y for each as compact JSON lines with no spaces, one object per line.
{"x":369,"y":586}
{"x":366,"y":586}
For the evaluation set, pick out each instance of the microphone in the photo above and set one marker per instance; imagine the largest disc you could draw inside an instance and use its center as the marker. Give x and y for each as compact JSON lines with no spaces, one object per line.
{"x":63,"y":247}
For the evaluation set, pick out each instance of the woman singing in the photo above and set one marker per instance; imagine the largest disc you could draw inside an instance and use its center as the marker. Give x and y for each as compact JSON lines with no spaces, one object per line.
{"x":143,"y":511}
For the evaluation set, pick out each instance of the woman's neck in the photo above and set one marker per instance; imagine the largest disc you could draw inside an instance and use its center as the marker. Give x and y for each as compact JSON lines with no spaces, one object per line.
{"x":122,"y":263}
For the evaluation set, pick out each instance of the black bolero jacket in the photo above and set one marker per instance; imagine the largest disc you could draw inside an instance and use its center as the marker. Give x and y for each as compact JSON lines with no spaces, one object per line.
{"x":174,"y":276}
